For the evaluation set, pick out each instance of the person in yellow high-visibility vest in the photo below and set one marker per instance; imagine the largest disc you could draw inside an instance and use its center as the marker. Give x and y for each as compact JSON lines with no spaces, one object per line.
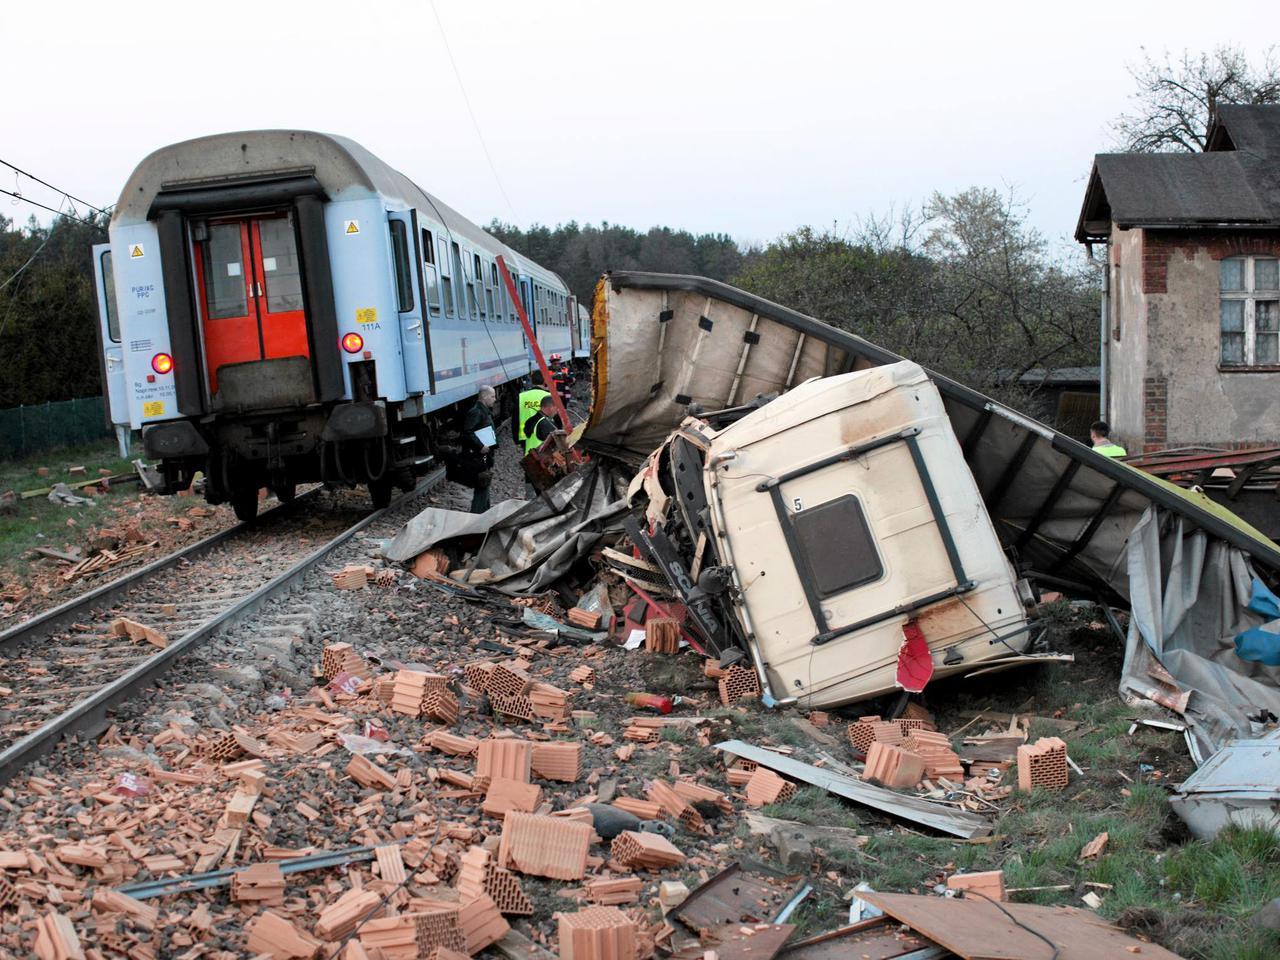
{"x":1100,"y":437}
{"x":527,"y":405}
{"x":541,"y":426}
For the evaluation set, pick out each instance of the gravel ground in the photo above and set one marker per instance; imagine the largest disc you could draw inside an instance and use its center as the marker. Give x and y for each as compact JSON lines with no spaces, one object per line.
{"x":257,"y":678}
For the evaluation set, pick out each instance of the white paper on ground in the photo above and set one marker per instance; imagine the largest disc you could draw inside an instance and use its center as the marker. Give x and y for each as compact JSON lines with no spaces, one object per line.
{"x":634,"y":641}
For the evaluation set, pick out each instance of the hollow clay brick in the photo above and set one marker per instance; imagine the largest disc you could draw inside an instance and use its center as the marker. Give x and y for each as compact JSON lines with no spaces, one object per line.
{"x":648,"y":850}
{"x":554,"y":847}
{"x":558,"y":761}
{"x":597,"y":933}
{"x":1043,"y":764}
{"x":504,"y":757}
{"x":738,"y":682}
{"x":766,"y":787}
{"x":892,"y":766}
{"x":505,"y":795}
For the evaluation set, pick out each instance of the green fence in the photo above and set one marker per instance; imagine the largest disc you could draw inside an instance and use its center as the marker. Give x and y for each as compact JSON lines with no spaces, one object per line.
{"x":46,"y":426}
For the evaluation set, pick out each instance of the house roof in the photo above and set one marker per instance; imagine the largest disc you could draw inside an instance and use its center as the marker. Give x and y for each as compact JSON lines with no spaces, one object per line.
{"x":1234,"y":182}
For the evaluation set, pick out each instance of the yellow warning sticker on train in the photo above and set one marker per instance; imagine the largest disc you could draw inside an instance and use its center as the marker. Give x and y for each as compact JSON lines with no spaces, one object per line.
{"x":350,"y":227}
{"x":155,"y":408}
{"x":367,"y":315}
{"x":136,"y":252}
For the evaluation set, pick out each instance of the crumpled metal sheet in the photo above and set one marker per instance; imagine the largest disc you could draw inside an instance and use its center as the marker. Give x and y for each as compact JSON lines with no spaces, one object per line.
{"x":525,"y":545}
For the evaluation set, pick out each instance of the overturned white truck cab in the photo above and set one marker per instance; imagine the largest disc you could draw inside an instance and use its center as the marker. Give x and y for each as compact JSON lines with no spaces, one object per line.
{"x":857,"y":524}
{"x":850,"y":525}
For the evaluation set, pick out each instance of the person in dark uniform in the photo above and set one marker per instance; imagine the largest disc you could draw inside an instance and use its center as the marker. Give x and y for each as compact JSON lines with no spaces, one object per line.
{"x":479,"y":441}
{"x":563,"y":379}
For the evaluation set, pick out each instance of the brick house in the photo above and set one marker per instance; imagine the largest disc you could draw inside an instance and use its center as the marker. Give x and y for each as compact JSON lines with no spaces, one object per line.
{"x":1191,"y":356}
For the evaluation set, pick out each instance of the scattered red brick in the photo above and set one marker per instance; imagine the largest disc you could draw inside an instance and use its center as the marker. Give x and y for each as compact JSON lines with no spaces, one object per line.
{"x":597,"y":933}
{"x":1042,"y":764}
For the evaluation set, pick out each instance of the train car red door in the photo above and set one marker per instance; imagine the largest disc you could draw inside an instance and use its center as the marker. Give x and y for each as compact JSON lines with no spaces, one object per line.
{"x":251,"y":292}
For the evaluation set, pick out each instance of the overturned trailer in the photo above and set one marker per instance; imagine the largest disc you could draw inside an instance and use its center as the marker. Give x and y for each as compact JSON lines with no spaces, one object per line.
{"x":781,"y":501}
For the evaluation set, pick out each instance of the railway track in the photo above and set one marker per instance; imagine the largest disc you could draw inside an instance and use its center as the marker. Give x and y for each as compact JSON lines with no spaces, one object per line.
{"x":65,"y":670}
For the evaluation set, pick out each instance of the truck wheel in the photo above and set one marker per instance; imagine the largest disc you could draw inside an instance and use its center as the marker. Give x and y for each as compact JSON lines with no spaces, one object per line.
{"x":245,"y":504}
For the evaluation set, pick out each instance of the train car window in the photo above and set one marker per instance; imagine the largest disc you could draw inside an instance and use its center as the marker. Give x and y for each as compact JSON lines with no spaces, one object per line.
{"x":459,"y":280}
{"x":109,"y":291}
{"x":428,"y":246}
{"x":281,"y":273}
{"x":400,"y":256}
{"x":446,"y":278}
{"x":223,"y":255}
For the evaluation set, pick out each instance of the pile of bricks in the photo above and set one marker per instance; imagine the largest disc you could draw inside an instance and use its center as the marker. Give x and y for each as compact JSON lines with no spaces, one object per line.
{"x":935,"y":750}
{"x":662,"y":635}
{"x":643,"y":729}
{"x":892,"y":766}
{"x":609,"y":892}
{"x":765,"y":787}
{"x":597,"y":933}
{"x":1042,"y":765}
{"x":738,"y":682}
{"x":548,"y":702}
{"x":413,"y":688}
{"x":867,"y":730}
{"x":584,"y":675}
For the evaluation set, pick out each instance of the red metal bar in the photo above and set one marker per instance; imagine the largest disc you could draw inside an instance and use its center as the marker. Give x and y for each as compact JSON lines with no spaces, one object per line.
{"x":548,"y":381}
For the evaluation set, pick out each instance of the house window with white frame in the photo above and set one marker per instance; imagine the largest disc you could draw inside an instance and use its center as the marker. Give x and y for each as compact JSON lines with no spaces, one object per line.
{"x":1249,"y":309}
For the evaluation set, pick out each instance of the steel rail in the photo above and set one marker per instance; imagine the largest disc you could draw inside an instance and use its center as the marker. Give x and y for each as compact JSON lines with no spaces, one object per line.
{"x":71,"y":611}
{"x":90,"y":714}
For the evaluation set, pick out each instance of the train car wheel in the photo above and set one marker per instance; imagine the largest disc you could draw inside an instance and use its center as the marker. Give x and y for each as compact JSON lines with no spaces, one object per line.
{"x":380,"y":492}
{"x":245,"y":504}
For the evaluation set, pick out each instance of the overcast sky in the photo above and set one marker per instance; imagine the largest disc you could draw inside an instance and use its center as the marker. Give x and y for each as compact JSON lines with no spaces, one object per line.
{"x":745,"y":117}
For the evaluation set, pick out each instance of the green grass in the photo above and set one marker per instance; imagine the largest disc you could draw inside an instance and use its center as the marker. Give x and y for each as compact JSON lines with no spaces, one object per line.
{"x":36,"y":521}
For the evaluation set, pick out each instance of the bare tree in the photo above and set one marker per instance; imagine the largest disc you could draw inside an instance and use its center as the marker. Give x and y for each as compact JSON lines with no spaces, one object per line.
{"x":1176,"y":100}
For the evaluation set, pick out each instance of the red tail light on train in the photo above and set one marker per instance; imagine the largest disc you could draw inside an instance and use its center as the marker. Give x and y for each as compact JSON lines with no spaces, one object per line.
{"x":352,"y":343}
{"x":162,"y":363}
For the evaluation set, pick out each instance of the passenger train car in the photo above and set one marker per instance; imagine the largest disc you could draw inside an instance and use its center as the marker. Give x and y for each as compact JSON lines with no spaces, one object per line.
{"x":282,"y":306}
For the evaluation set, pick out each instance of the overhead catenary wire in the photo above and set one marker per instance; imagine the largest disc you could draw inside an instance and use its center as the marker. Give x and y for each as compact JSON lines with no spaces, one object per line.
{"x":36,"y":203}
{"x":467,"y":101}
{"x":45,"y":183}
